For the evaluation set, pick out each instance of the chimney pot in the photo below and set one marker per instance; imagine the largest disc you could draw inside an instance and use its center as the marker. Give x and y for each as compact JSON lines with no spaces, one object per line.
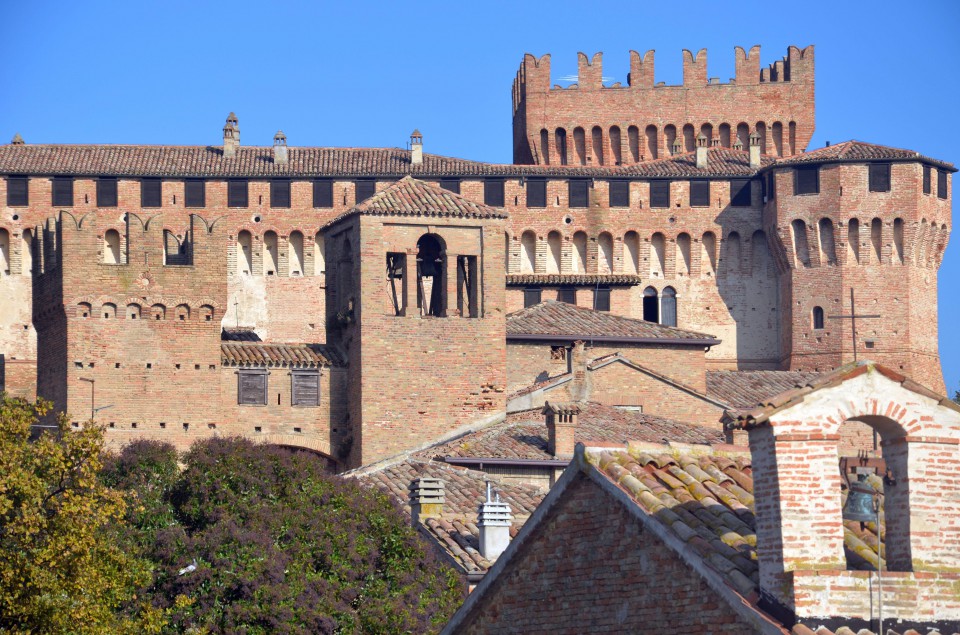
{"x":677,"y":146}
{"x":494,"y":523}
{"x":561,"y":422}
{"x":754,"y":149}
{"x":426,"y":499}
{"x":17,"y":140}
{"x":416,"y":148}
{"x":280,"y":148}
{"x":702,"y":150}
{"x":231,"y":136}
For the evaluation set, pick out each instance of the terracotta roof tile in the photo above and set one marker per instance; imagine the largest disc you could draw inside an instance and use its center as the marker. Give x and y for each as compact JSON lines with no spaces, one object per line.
{"x":253,"y":353}
{"x":858,"y":151}
{"x":745,"y":389}
{"x":581,"y":279}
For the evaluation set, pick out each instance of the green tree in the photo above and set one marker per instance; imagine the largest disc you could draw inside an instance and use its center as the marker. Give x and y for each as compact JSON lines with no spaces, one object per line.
{"x":61,"y":568}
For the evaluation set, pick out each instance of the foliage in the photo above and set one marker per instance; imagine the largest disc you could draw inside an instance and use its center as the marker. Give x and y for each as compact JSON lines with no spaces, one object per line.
{"x":280,"y":545}
{"x":61,"y":570}
{"x":956,"y":397}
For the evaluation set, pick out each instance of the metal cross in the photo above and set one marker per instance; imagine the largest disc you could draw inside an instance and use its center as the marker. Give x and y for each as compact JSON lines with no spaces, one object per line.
{"x":853,"y":321}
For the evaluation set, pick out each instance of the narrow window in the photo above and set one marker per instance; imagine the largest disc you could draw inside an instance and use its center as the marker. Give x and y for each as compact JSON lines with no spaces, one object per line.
{"x":319,"y":255}
{"x":942,"y":183}
{"x":699,"y":193}
{"x":545,"y":146}
{"x":879,"y":177}
{"x":451,"y":185}
{"x":63,"y":192}
{"x":295,"y":254}
{"x":580,"y":145}
{"x":668,"y":307}
{"x":579,"y":192}
{"x":817,"y":317}
{"x":828,"y":251}
{"x":106,"y":192}
{"x":280,"y":193}
{"x":194,"y":193}
{"x":660,"y":194}
{"x":467,"y":286}
{"x":536,"y":193}
{"x":365,"y":189}
{"x":493,"y":192}
{"x":567,"y":294}
{"x":531,"y":296}
{"x":431,"y":276}
{"x":771,"y":185}
{"x":740,"y":194}
{"x":323,"y":193}
{"x":898,"y":238}
{"x":651,"y":305}
{"x":17,"y":191}
{"x":801,"y":246}
{"x":926,"y":179}
{"x":601,"y":299}
{"x":252,"y":387}
{"x":561,"y":143}
{"x":619,"y":194}
{"x":876,"y":238}
{"x":396,"y":289}
{"x":616,"y":145}
{"x":305,"y":387}
{"x":597,"y":144}
{"x":633,"y":142}
{"x":174,"y":250}
{"x":270,"y":254}
{"x":111,"y":247}
{"x":237,"y":193}
{"x":853,"y":240}
{"x":806,"y":180}
{"x":244,"y":252}
{"x":151,"y":193}
{"x":651,"y":134}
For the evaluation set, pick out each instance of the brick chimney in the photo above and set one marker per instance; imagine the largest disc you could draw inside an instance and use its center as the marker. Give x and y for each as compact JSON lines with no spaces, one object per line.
{"x":231,"y":136}
{"x":677,"y":146}
{"x":702,"y":150}
{"x":426,"y":499}
{"x":416,"y":148}
{"x":580,"y":387}
{"x":754,"y":149}
{"x":494,"y":522}
{"x":280,"y":148}
{"x":17,"y":140}
{"x":561,"y":428}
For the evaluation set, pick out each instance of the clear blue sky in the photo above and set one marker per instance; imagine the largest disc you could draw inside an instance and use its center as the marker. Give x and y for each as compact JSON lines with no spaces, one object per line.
{"x":366,"y":73}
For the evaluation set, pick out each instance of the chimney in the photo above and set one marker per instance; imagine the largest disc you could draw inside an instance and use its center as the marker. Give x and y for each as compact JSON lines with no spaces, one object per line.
{"x":702,"y":150}
{"x":17,"y":140}
{"x":416,"y":148}
{"x":231,"y":136}
{"x":577,"y":365}
{"x":561,"y":428}
{"x":754,"y":149}
{"x":494,"y":522}
{"x":280,"y":148}
{"x":426,"y":499}
{"x":676,"y":147}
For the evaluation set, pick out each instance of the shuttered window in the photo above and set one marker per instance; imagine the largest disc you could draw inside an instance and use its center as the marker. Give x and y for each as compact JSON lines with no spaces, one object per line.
{"x":451,"y":185}
{"x":280,"y":193}
{"x":568,"y":295}
{"x":740,"y":194}
{"x":601,"y":299}
{"x":926,"y":179}
{"x":17,"y":191}
{"x":237,"y":193}
{"x":699,"y":193}
{"x":194,"y":193}
{"x":806,"y":180}
{"x":305,"y":388}
{"x":536,"y":193}
{"x":619,"y":193}
{"x":879,"y":177}
{"x":942,"y":183}
{"x":151,"y":193}
{"x":493,"y":192}
{"x":365,"y":189}
{"x":579,"y":193}
{"x":323,"y":193}
{"x":660,"y":194}
{"x":106,"y":192}
{"x":252,"y":387}
{"x":771,"y":186}
{"x":532,"y":296}
{"x":62,"y":192}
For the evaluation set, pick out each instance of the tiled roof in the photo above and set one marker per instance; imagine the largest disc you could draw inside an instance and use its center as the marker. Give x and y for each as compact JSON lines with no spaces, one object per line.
{"x":745,"y":389}
{"x":800,"y":629}
{"x":412,"y":197}
{"x":565,"y":320}
{"x":246,"y":353}
{"x":579,"y":279}
{"x":239,"y":335}
{"x":856,"y":151}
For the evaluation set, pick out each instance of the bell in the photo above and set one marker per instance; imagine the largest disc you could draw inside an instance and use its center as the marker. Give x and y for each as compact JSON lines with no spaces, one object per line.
{"x":859,"y":505}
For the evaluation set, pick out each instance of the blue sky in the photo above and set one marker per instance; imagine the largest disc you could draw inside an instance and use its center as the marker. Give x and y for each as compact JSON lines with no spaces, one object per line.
{"x":366,"y":73}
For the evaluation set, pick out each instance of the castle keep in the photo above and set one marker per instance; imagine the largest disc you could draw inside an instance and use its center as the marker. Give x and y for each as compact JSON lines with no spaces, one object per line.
{"x":355,"y":301}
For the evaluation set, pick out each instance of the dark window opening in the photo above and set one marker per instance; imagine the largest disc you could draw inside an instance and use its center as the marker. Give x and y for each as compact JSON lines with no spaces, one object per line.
{"x":926,"y":179}
{"x":567,"y":294}
{"x":237,"y":193}
{"x":63,"y":192}
{"x":740,"y":194}
{"x":601,"y":299}
{"x":660,"y":194}
{"x":365,"y":189}
{"x":493,"y":192}
{"x":651,"y":305}
{"x":619,"y":194}
{"x":431,"y":276}
{"x":323,"y":193}
{"x":806,"y":180}
{"x":699,"y":193}
{"x":942,"y":183}
{"x":558,"y":353}
{"x":879,"y":177}
{"x":817,"y":317}
{"x":106,"y":192}
{"x":396,"y":270}
{"x":579,"y":191}
{"x":668,"y":307}
{"x":252,"y":387}
{"x":151,"y":193}
{"x":17,"y":191}
{"x":536,"y":193}
{"x":280,"y":193}
{"x":451,"y":185}
{"x":771,"y":186}
{"x":194,"y":193}
{"x":532,"y":296}
{"x":467,"y":286}
{"x":305,"y":388}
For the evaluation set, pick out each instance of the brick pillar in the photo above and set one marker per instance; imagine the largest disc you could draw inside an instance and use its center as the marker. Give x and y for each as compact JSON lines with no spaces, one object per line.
{"x":410,"y":288}
{"x":451,"y":282}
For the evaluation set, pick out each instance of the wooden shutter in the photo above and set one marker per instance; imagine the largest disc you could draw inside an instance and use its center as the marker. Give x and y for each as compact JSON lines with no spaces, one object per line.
{"x":451,"y":185}
{"x":238,"y":193}
{"x":536,"y":193}
{"x":151,"y":192}
{"x":365,"y":189}
{"x":323,"y":193}
{"x":740,"y":195}
{"x":879,"y":177}
{"x":280,"y":193}
{"x":493,"y":192}
{"x":531,"y":296}
{"x":619,"y":193}
{"x":660,"y":194}
{"x":942,"y":183}
{"x":194,"y":193}
{"x":17,"y":191}
{"x":699,"y":193}
{"x":926,"y":179}
{"x":306,"y":388}
{"x":579,"y":193}
{"x":771,"y":186}
{"x":601,"y":299}
{"x":63,"y":192}
{"x":568,"y":295}
{"x":106,"y":192}
{"x":252,"y":387}
{"x":807,"y":180}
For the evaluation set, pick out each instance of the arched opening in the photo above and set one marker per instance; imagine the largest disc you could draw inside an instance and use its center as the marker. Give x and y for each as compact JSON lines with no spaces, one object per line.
{"x":109,"y":311}
{"x":158,"y":312}
{"x":853,"y":241}
{"x":828,"y":250}
{"x":26,"y":256}
{"x":133,"y":311}
{"x":431,"y":276}
{"x":778,"y":138}
{"x":633,"y":140}
{"x":731,"y":264}
{"x":631,"y":255}
{"x":270,"y":259}
{"x":817,"y":317}
{"x":206,"y":313}
{"x":605,"y":253}
{"x":683,"y":254}
{"x":111,"y":247}
{"x":545,"y":146}
{"x":596,"y":142}
{"x":506,"y":251}
{"x":651,"y":305}
{"x":84,"y":310}
{"x":707,"y":131}
{"x":615,"y":148}
{"x":898,"y":238}
{"x":725,"y":135}
{"x":580,"y":145}
{"x":743,"y":135}
{"x":670,"y":137}
{"x":579,"y":260}
{"x":658,"y":252}
{"x":295,"y":255}
{"x":801,"y":248}
{"x":689,"y":138}
{"x":528,"y":252}
{"x":651,"y":137}
{"x":793,"y":137}
{"x":244,"y":252}
{"x":174,"y":250}
{"x":182,"y":311}
{"x":760,"y":254}
{"x":762,"y":131}
{"x":876,"y":238}
{"x":4,"y":252}
{"x":668,"y":307}
{"x":319,"y":255}
{"x":561,"y":143}
{"x":920,"y":243}
{"x":708,"y":257}
{"x":554,"y":247}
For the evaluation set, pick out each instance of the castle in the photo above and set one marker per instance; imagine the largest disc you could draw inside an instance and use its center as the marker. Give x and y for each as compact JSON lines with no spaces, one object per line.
{"x":355,"y":301}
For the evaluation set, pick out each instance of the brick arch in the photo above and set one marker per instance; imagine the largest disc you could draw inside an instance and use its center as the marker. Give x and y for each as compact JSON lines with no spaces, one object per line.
{"x":316,"y":444}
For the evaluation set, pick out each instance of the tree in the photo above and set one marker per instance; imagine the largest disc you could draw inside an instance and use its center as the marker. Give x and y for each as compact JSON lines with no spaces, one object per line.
{"x":261,"y":539}
{"x":61,"y":569}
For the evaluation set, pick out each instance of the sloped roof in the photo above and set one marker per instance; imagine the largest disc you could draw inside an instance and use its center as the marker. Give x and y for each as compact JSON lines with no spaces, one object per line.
{"x":745,"y":389}
{"x":252,"y":353}
{"x":856,"y":152}
{"x":566,"y":321}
